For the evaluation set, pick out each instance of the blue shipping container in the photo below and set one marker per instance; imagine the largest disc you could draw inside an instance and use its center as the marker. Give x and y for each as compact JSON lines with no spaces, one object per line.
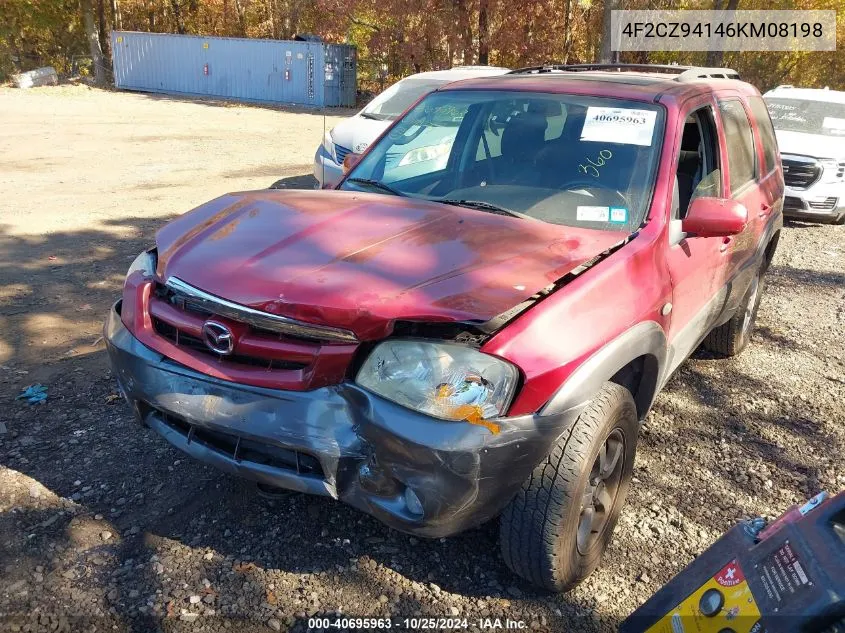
{"x":279,"y":71}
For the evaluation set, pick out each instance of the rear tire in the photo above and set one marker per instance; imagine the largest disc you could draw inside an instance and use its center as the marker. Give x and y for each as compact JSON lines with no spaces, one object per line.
{"x":556,"y":529}
{"x":730,"y":338}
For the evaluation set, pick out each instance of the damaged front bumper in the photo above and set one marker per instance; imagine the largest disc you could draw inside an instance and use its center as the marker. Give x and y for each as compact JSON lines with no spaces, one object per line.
{"x":415,"y":473}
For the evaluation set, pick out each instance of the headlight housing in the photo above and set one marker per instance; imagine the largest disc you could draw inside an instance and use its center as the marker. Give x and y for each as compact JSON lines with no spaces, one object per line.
{"x":328,"y":143}
{"x":439,"y":152}
{"x":832,"y":171}
{"x":145,"y":263}
{"x":444,"y":380}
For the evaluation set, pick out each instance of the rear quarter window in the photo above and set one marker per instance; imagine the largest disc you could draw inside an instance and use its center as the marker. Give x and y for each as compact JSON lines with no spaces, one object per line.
{"x":742,"y":156}
{"x":767,"y":133}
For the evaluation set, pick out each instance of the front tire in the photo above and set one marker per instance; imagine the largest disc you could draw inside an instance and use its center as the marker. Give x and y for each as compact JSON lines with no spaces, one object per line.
{"x":556,"y":529}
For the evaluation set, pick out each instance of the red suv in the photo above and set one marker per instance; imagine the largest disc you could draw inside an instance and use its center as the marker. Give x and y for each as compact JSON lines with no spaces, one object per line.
{"x":477,"y":320}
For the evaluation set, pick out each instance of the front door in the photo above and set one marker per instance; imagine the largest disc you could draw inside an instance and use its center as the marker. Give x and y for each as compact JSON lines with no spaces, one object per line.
{"x":696,"y":264}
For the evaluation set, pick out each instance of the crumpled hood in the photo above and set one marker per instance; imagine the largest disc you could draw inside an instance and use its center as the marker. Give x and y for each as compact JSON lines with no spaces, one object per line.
{"x":360,"y":260}
{"x":815,"y":145}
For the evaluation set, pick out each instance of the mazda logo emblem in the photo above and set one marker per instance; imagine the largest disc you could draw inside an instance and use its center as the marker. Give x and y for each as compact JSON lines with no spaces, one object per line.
{"x":218,"y":337}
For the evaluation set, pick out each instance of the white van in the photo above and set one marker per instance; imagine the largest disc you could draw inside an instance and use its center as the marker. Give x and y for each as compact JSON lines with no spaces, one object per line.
{"x":357,"y":132}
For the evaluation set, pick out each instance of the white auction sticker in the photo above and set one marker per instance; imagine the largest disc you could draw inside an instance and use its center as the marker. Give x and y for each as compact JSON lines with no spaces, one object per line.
{"x":833,"y":123}
{"x":627,"y":126}
{"x":593,"y":214}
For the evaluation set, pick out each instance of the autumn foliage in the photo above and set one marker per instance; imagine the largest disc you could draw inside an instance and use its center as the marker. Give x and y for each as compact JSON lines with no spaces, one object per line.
{"x":395,"y":37}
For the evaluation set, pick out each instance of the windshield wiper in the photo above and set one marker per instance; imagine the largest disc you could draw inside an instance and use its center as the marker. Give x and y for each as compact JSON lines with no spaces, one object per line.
{"x":484,"y":206}
{"x":367,"y":115}
{"x":376,"y":184}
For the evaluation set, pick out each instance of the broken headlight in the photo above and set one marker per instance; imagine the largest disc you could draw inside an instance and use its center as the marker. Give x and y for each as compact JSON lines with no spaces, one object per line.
{"x":444,"y":380}
{"x":145,"y":263}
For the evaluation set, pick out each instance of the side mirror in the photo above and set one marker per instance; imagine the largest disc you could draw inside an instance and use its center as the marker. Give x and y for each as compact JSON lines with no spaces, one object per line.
{"x":715,"y":217}
{"x":349,"y":161}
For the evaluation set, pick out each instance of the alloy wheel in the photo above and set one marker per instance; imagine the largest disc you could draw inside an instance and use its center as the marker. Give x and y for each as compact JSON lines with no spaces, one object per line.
{"x":600,"y":493}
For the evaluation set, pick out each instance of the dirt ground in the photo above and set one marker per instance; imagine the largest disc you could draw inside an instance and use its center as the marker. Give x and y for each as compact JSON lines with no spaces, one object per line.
{"x":104,"y":527}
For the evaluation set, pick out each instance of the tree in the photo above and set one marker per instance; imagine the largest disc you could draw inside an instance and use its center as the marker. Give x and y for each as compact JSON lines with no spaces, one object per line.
{"x":483,"y":34}
{"x":93,"y":38}
{"x":716,"y":58}
{"x":606,"y":35}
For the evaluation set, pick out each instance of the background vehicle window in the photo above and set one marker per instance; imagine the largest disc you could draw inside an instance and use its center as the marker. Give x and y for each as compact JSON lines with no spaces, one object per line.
{"x":767,"y":132}
{"x":398,"y":98}
{"x":742,"y":157}
{"x":809,"y":117}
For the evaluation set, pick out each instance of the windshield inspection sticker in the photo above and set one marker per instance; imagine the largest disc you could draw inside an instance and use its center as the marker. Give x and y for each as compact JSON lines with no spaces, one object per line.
{"x":618,"y":214}
{"x":625,"y":126}
{"x":592,"y":214}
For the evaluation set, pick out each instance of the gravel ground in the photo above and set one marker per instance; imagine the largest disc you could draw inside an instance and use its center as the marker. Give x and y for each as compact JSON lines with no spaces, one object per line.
{"x":104,"y":527}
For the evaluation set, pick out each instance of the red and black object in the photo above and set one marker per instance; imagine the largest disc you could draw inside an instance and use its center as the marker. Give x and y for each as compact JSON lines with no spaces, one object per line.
{"x":794,"y":568}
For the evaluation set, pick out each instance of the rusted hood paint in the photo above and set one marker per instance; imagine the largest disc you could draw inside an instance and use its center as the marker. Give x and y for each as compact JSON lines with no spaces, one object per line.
{"x":361,"y":261}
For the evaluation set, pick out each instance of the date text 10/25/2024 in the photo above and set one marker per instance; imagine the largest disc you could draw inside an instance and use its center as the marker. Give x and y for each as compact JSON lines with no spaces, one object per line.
{"x":415,"y":624}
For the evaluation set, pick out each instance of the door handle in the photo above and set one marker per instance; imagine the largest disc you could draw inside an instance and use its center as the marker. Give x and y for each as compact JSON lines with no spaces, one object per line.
{"x":725,"y":243}
{"x":765,"y":209}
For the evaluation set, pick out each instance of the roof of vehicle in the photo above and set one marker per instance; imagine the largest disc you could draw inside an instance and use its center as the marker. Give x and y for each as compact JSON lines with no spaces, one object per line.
{"x":459,"y":72}
{"x":807,"y":94}
{"x":630,"y":81}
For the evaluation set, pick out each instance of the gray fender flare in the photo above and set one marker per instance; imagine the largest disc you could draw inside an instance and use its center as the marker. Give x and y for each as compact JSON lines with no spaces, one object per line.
{"x":646,"y":339}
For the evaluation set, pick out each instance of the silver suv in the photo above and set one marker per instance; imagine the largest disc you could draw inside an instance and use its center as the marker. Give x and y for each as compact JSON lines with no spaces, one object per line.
{"x":810,"y":128}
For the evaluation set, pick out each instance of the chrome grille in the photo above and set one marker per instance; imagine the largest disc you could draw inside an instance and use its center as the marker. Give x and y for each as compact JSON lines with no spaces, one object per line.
{"x":340,"y":152}
{"x":202,"y":300}
{"x":828,"y":204}
{"x":801,"y":172}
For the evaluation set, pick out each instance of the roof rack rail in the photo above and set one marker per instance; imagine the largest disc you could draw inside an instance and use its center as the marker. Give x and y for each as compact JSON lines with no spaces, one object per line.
{"x":684,"y":73}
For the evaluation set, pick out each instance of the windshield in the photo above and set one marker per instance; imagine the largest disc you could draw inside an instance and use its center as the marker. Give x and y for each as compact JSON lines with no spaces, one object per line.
{"x":578,"y":161}
{"x":810,"y":117}
{"x":399,"y":97}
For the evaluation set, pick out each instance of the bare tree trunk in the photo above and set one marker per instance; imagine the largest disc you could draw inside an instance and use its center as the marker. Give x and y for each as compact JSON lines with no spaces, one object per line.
{"x":151,"y":16}
{"x":272,"y":10}
{"x":483,"y":34}
{"x":239,"y":9}
{"x":607,"y":37}
{"x":716,"y":58}
{"x":567,"y":31}
{"x":116,"y":20}
{"x":93,"y":41}
{"x":177,"y":13}
{"x":102,"y":27}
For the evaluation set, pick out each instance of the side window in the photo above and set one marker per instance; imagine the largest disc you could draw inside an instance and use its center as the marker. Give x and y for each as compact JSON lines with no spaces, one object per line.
{"x":767,"y":133}
{"x":698,"y":174}
{"x":742,"y":157}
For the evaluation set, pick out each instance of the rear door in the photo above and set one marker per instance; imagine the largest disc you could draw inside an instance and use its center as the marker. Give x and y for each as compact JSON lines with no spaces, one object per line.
{"x":771,"y":174}
{"x":743,"y":171}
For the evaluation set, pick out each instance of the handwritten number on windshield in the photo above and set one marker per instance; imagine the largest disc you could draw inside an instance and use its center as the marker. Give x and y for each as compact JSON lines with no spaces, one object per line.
{"x":592,"y":166}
